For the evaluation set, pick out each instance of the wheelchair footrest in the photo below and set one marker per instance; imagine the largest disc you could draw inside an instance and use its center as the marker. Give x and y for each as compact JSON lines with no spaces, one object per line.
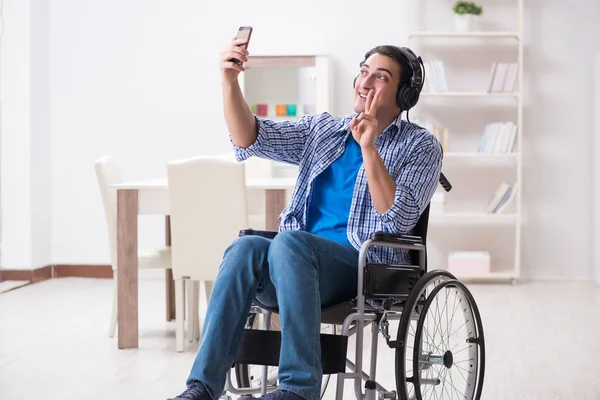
{"x":260,"y":347}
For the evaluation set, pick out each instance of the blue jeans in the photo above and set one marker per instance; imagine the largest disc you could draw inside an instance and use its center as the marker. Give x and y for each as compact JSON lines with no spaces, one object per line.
{"x":299,"y":273}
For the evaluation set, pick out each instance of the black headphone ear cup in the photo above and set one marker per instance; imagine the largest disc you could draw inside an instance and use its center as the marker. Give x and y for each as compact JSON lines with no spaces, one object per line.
{"x":407,"y":97}
{"x":410,"y":98}
{"x":403,"y":97}
{"x":400,"y":97}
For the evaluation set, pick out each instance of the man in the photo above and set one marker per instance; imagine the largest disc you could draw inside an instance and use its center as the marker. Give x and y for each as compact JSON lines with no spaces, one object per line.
{"x":362,"y":173}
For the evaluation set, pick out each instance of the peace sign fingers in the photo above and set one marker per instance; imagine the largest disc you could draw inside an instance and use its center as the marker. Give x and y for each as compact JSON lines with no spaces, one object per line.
{"x":371,"y":105}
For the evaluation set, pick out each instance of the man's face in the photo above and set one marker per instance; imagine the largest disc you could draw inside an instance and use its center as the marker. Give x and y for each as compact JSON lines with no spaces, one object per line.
{"x":381,"y":74}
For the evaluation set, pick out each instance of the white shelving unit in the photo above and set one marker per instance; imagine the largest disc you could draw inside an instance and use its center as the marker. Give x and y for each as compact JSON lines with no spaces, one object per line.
{"x":300,"y":80}
{"x":462,"y":223}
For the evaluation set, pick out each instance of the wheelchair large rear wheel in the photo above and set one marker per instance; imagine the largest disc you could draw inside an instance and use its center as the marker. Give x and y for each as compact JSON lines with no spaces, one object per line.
{"x":449,"y":348}
{"x":405,"y":338}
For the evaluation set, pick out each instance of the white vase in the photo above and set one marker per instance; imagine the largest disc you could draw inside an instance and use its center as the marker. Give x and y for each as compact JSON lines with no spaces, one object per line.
{"x":464,"y":22}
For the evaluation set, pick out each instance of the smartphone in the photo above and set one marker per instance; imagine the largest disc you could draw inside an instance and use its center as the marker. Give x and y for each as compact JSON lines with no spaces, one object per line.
{"x":244,"y":34}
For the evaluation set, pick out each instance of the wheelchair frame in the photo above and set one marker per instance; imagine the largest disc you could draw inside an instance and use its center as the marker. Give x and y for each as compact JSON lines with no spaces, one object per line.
{"x":365,"y":315}
{"x":360,"y":317}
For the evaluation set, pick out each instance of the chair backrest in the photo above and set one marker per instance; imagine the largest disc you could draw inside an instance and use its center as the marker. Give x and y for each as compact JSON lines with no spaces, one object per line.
{"x":108,"y":173}
{"x":420,"y":230}
{"x":256,"y":167}
{"x":208,"y":207}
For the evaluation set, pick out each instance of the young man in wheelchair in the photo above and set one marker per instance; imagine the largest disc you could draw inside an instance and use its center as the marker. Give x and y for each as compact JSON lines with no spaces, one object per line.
{"x":361,"y":173}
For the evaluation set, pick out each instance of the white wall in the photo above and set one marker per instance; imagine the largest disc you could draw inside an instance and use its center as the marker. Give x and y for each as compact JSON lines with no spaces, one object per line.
{"x":15,"y":154}
{"x":139,"y":80}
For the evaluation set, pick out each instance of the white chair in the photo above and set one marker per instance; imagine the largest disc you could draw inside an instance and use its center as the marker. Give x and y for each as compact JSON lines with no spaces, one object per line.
{"x":255,"y":168}
{"x":208,"y":206}
{"x":108,"y":173}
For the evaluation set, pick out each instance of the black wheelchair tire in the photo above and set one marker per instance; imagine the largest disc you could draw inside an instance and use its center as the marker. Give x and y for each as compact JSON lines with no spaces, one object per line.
{"x":404,"y":326}
{"x":480,"y":336}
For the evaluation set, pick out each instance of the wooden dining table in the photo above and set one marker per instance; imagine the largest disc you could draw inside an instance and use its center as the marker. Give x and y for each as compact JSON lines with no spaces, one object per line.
{"x":151,"y":197}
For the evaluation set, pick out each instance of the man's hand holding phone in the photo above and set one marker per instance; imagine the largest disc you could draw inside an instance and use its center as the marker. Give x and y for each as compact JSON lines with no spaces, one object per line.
{"x":234,"y":55}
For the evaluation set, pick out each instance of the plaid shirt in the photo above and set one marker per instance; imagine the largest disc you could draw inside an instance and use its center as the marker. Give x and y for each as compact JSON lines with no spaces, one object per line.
{"x":411,"y":154}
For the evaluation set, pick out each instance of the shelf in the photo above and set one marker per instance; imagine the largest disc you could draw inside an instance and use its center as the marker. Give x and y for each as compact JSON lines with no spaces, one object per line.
{"x":469,"y":158}
{"x":480,"y":156}
{"x":489,"y":277}
{"x":475,"y":34}
{"x":470,"y":94}
{"x":284,"y":118}
{"x":481,"y":218}
{"x":280,"y":61}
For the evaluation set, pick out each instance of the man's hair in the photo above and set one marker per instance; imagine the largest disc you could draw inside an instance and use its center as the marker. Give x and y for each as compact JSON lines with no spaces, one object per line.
{"x":394,"y":54}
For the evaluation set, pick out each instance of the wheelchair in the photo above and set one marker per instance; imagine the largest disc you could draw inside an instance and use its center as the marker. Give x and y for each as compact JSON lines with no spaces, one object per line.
{"x":439,"y":346}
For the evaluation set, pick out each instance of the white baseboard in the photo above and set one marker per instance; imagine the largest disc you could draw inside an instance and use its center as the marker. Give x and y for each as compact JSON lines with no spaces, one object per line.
{"x":571,"y":279}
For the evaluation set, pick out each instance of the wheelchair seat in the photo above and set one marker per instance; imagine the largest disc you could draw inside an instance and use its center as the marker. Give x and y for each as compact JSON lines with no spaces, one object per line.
{"x":333,"y":315}
{"x":337,"y":313}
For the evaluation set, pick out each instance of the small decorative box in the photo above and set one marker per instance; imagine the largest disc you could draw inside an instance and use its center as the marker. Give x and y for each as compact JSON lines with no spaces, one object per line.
{"x":469,"y":262}
{"x":280,"y":110}
{"x":262,"y":110}
{"x":291,"y":109}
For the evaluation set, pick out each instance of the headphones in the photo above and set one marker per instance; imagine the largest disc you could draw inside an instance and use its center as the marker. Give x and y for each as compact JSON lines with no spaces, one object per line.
{"x":408,"y":92}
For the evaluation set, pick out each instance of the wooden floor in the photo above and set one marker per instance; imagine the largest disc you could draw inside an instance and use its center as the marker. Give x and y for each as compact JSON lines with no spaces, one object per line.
{"x":543,"y":342}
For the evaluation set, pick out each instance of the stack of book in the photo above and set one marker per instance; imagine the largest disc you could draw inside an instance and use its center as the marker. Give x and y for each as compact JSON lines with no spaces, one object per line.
{"x":503,"y":77}
{"x":498,"y":137}
{"x":435,"y":77}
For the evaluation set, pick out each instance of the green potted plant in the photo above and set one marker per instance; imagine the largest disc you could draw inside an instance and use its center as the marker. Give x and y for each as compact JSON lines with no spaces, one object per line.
{"x":465,"y":13}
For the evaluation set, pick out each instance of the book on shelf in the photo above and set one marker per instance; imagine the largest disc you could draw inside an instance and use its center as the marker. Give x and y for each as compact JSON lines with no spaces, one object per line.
{"x":498,"y":137}
{"x":435,"y":77}
{"x":501,"y":199}
{"x":503,"y":77}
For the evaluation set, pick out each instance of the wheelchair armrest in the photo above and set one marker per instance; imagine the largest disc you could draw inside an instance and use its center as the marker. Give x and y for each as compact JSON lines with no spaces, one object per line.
{"x":396,"y":238}
{"x":250,"y":231}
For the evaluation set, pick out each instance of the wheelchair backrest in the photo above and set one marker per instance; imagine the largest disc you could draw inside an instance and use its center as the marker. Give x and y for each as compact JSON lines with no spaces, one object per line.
{"x":422,"y":224}
{"x":420,"y":230}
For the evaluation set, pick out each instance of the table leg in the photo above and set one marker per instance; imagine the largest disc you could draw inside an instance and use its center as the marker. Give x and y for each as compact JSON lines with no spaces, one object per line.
{"x":127,"y":268}
{"x":274,"y":205}
{"x":169,"y":283}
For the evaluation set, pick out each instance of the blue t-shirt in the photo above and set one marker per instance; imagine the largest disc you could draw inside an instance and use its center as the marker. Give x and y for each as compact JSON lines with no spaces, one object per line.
{"x":330,"y":202}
